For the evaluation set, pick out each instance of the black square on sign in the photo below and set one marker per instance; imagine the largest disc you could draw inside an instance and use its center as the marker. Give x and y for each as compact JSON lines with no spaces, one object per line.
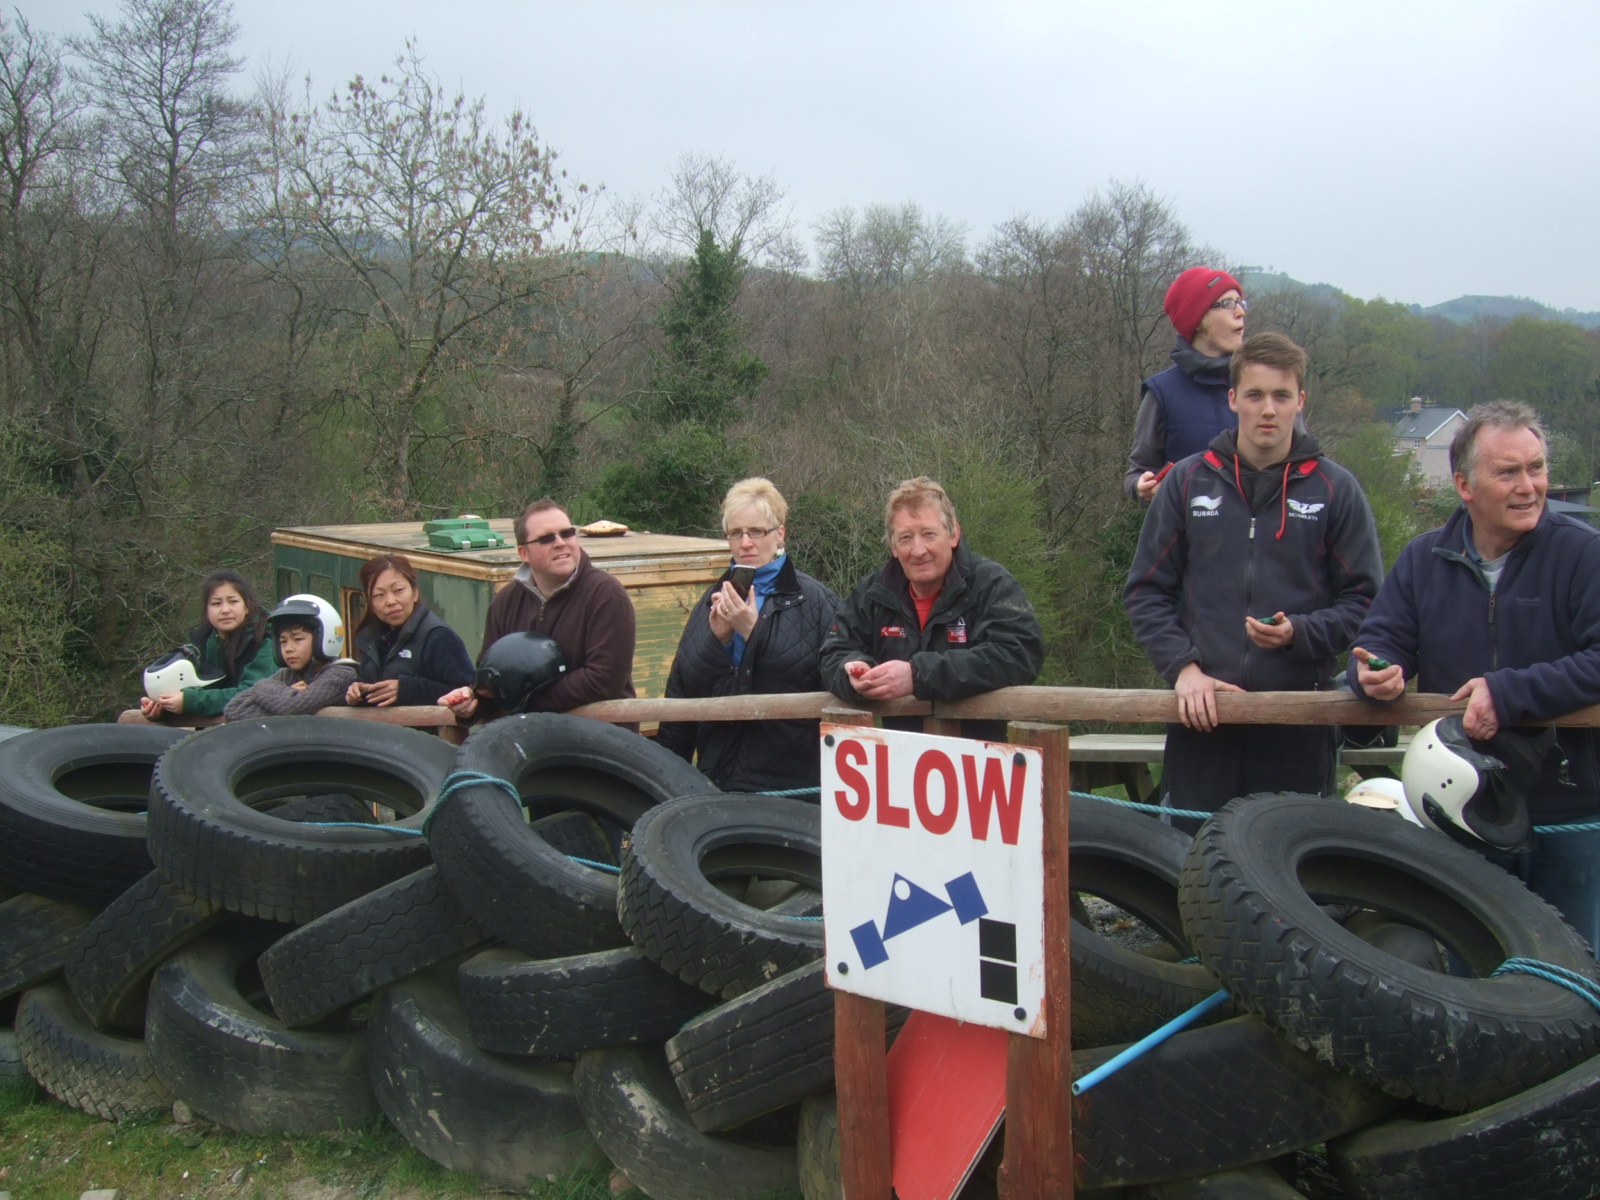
{"x":997,"y":981}
{"x":997,"y":939}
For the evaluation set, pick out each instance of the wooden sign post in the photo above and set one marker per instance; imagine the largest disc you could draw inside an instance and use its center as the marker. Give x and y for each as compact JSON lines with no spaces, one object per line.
{"x":861,"y":1078}
{"x":1038,"y":1162}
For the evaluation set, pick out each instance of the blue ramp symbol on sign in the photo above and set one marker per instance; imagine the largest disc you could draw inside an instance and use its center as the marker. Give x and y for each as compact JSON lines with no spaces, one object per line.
{"x":910,"y":906}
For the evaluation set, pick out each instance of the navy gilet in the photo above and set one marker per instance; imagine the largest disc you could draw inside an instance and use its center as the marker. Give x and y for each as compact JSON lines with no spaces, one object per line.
{"x":1192,"y":412}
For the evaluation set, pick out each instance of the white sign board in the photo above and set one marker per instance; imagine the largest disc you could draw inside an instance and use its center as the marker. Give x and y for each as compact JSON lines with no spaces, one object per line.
{"x":933,"y":874}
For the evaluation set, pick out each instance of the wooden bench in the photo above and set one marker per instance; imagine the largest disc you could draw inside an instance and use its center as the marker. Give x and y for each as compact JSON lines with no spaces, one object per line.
{"x":1112,"y":759}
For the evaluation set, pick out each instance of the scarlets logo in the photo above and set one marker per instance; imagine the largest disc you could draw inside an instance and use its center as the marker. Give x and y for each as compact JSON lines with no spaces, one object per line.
{"x":892,"y":631}
{"x":956,"y":635}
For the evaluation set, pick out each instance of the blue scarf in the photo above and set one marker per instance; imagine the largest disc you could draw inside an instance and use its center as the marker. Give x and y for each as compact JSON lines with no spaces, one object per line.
{"x":766,"y":577}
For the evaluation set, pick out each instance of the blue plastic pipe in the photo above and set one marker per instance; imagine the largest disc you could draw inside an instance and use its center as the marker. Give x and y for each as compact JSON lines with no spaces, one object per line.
{"x":1150,"y":1041}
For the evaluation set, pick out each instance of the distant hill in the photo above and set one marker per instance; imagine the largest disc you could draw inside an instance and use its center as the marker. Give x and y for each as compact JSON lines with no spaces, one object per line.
{"x":1462,"y":310}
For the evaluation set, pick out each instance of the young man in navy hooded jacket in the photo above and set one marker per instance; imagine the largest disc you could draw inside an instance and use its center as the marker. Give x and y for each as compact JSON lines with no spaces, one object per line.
{"x":1256,"y":564}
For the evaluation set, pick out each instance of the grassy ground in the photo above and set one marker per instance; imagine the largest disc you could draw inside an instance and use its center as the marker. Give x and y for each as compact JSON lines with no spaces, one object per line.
{"x":51,"y":1152}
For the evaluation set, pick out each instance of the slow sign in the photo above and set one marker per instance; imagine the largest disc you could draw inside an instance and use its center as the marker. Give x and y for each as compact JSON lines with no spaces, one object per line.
{"x":932,"y":871}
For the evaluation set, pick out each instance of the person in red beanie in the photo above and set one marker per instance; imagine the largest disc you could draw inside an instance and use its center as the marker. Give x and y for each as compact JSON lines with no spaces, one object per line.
{"x":1182,"y":408}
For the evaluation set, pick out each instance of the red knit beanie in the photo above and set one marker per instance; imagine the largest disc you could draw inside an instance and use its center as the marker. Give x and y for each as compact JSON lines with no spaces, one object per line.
{"x":1192,"y":293}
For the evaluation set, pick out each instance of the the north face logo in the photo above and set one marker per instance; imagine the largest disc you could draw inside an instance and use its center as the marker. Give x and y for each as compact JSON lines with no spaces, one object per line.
{"x":1204,"y":506}
{"x":1306,"y":512}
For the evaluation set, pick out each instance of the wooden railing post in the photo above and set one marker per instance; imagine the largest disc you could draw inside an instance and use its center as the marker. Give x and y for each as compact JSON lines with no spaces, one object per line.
{"x":1038,"y":1160}
{"x":860,"y":1070}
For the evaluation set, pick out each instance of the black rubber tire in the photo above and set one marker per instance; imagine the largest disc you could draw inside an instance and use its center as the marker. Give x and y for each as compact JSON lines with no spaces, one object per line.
{"x":109,"y":967}
{"x":1249,"y":897}
{"x":72,"y":803}
{"x":359,"y":947}
{"x":11,"y":1064}
{"x":1543,"y":1144}
{"x":762,"y":1051}
{"x":1247,"y":1183}
{"x":99,"y":1073}
{"x":36,"y":937}
{"x":559,"y":1007}
{"x":1209,"y":1100}
{"x":514,"y":1123}
{"x":314,"y":810}
{"x":817,"y":1148}
{"x":1133,"y":861}
{"x":577,"y":835}
{"x":206,"y":834}
{"x":627,"y":1098}
{"x":502,"y":870}
{"x":672,"y":908}
{"x":238,"y":1066}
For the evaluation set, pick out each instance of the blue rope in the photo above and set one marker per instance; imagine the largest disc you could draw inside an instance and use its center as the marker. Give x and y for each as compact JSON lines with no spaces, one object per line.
{"x":1156,"y":809}
{"x":810,"y":791}
{"x":362,"y":825}
{"x":1580,"y":985}
{"x":457,"y":780}
{"x":1580,"y":827}
{"x":598,"y":866}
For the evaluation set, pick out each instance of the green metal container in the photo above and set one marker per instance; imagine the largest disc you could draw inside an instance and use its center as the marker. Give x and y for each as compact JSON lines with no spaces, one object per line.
{"x":664,"y":576}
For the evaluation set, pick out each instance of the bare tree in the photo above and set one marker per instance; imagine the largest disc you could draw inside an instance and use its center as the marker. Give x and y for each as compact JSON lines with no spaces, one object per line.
{"x":441,"y":225}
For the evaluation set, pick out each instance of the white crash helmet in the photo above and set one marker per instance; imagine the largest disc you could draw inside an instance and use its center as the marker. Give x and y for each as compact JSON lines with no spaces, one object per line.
{"x":1384,"y":794}
{"x":173,"y":672}
{"x":306,"y":609}
{"x":1476,"y":792}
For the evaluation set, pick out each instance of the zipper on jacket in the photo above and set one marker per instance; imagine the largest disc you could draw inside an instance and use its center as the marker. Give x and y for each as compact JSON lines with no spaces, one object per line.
{"x":1252,"y":529}
{"x":1494,"y":642}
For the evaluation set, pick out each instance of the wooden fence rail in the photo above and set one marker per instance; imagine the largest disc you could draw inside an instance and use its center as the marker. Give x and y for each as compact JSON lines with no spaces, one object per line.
{"x":1054,"y":705}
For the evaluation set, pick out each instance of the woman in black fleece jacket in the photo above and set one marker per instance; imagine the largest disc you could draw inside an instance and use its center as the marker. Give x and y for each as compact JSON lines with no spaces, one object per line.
{"x":766,"y":642}
{"x":406,"y":653}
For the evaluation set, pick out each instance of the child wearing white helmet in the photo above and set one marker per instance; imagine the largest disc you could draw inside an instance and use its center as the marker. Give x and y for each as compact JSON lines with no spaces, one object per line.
{"x":308,"y":639}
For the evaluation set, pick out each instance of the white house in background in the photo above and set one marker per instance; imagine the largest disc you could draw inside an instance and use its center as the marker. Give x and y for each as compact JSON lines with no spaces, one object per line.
{"x":1425,"y":434}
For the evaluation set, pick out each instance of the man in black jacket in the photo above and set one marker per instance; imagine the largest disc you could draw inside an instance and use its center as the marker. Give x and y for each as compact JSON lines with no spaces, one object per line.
{"x":937,"y":622}
{"x":1256,"y":564}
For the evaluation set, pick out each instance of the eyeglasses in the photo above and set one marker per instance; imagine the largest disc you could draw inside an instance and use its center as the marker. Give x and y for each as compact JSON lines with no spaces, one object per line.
{"x":755,"y":535}
{"x":546,"y":539}
{"x":1233,"y":302}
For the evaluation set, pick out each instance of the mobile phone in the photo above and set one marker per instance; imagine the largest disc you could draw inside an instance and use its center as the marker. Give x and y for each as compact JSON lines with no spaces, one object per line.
{"x":1374,"y":663}
{"x":1272,"y":620}
{"x":742,"y":578}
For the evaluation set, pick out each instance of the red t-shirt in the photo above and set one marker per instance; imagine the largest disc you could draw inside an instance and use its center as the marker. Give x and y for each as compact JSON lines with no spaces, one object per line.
{"x":924,"y":607}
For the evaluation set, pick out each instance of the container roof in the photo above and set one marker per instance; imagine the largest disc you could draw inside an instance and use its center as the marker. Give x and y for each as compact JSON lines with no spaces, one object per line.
{"x":406,"y":537}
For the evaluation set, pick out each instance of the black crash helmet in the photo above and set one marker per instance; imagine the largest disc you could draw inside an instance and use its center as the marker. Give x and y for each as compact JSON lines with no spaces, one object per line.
{"x":518,"y":667}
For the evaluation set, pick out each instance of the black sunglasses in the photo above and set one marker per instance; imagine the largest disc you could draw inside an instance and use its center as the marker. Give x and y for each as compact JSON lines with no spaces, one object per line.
{"x":545,"y":539}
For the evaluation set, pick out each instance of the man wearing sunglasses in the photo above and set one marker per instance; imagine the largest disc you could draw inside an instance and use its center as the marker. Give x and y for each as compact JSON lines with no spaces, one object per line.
{"x":558,"y":592}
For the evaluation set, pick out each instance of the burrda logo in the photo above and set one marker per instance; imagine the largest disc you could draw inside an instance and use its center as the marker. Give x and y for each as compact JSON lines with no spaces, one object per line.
{"x":1306,"y":512}
{"x":1204,"y":506}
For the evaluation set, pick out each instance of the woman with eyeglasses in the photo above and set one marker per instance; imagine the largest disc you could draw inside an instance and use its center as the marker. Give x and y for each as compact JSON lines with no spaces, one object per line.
{"x":407,"y":654}
{"x":1182,"y":408}
{"x":758,"y":630}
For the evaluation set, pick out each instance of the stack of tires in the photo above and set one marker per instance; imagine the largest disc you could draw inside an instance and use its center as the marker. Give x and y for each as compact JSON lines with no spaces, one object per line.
{"x":561,"y":942}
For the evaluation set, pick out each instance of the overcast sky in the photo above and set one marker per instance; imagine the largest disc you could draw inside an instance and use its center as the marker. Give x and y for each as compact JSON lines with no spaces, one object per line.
{"x":1417,"y":151}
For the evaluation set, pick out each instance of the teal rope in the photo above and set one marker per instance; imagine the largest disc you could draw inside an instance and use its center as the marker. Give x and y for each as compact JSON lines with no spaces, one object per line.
{"x":810,"y":791}
{"x":362,"y":825}
{"x":598,"y":866}
{"x":1581,"y":827}
{"x":1155,"y":809}
{"x":1580,"y":985}
{"x":458,"y":780}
